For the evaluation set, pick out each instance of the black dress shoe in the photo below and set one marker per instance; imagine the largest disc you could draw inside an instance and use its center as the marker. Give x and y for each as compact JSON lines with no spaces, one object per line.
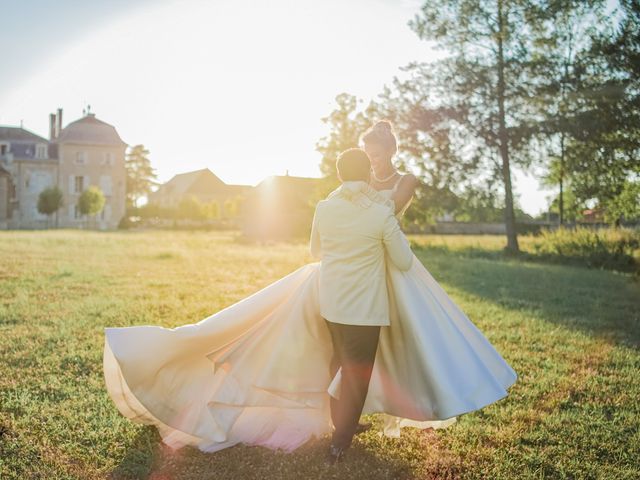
{"x":362,"y":427}
{"x":335,"y":455}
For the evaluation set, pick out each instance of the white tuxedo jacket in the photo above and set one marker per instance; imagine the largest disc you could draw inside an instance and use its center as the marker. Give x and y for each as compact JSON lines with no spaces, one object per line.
{"x":350,"y":235}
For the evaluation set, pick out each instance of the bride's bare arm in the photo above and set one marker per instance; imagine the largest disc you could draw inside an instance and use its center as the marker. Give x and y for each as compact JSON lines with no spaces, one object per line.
{"x":405,"y":190}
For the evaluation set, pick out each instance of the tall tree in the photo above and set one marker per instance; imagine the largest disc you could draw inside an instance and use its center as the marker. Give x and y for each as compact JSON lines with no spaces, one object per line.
{"x":141,"y":175}
{"x":430,"y":145}
{"x":485,"y":80}
{"x":559,"y":52}
{"x":608,"y":164}
{"x":346,"y":123}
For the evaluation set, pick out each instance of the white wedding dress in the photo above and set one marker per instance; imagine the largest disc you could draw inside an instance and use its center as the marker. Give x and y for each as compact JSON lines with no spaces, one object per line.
{"x":257,"y":372}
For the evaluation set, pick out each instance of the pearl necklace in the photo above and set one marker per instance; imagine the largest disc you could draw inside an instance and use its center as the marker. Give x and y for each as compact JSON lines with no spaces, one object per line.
{"x":382,"y":180}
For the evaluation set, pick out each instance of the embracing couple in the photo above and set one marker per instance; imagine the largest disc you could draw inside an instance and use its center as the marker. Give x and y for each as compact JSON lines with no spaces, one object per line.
{"x":305,"y":356}
{"x":351,"y":233}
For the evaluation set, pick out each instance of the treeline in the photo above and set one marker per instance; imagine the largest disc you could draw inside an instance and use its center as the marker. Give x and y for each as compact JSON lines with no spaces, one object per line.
{"x":189,"y":208}
{"x":543,"y":85}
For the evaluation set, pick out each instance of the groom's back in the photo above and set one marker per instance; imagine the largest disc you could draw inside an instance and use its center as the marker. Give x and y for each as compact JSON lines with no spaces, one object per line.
{"x":350,"y":233}
{"x":352,"y":274}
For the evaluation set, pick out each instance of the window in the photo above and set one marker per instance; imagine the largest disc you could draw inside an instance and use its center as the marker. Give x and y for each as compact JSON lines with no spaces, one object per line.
{"x":107,"y":159}
{"x":79,"y":184}
{"x":105,"y":184}
{"x":39,"y":180}
{"x":81,"y":158}
{"x":4,"y":148}
{"x":41,"y":151}
{"x":76,"y":212}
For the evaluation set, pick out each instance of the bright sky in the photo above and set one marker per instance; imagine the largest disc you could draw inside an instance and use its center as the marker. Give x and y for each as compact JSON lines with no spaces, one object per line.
{"x":237,"y":86}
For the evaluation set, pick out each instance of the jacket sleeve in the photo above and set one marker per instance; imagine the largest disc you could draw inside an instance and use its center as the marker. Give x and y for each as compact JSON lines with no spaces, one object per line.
{"x":314,"y":241}
{"x":397,"y":244}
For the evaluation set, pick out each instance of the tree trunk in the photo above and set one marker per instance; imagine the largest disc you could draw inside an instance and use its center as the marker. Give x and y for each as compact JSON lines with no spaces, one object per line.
{"x":563,"y":93}
{"x":561,"y":178}
{"x":510,"y":221}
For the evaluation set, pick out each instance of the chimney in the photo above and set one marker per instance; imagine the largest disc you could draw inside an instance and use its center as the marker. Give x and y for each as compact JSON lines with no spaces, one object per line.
{"x":59,"y":125}
{"x":52,"y":126}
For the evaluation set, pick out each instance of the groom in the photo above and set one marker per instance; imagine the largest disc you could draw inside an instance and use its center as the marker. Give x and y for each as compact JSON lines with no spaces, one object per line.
{"x":351,"y":234}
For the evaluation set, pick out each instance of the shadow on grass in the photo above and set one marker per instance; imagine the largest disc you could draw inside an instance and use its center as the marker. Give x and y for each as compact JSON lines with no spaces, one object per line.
{"x":599,"y":302}
{"x":620,"y":262}
{"x":148,"y":458}
{"x":141,"y":455}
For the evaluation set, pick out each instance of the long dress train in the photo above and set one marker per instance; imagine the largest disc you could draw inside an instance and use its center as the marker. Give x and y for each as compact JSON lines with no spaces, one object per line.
{"x":257,"y":372}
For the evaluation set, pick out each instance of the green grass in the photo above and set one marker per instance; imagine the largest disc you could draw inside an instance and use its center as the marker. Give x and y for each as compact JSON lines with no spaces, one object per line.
{"x":571,"y":333}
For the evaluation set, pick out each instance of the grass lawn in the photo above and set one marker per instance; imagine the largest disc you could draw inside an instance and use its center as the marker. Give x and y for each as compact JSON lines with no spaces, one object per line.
{"x":571,"y":334}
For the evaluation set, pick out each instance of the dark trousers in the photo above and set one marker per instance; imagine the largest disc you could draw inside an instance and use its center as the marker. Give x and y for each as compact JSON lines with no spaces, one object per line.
{"x":354,"y":349}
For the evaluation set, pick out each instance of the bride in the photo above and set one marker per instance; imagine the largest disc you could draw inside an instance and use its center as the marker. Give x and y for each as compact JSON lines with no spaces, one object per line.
{"x":259,"y":371}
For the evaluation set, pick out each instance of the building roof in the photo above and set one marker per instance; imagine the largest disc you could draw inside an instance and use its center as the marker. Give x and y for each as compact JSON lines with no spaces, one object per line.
{"x":90,"y":131}
{"x":288,"y":183}
{"x":23,"y":143}
{"x":19,"y":134}
{"x":285,"y":190}
{"x":181,"y":183}
{"x":198,"y":181}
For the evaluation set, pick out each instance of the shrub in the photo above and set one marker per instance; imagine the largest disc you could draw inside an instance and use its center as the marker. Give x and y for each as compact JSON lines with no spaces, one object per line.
{"x":126,"y":223}
{"x":610,"y":248}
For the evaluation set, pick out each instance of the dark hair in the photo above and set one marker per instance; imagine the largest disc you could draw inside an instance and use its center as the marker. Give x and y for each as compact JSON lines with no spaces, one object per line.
{"x":353,"y":164}
{"x":381,"y":134}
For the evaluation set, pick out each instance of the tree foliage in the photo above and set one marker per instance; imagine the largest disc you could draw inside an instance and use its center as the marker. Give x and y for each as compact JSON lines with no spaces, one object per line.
{"x":91,"y":201}
{"x":607,"y":166}
{"x":522,"y":83}
{"x":141,"y":176}
{"x":346,"y":124}
{"x":559,"y":52}
{"x":487,"y":80}
{"x":50,"y":201}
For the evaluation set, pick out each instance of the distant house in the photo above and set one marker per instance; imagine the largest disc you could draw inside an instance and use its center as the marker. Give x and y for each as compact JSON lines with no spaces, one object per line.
{"x":280,"y":207}
{"x":205,"y":186}
{"x":593,"y":215}
{"x":86,"y":152}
